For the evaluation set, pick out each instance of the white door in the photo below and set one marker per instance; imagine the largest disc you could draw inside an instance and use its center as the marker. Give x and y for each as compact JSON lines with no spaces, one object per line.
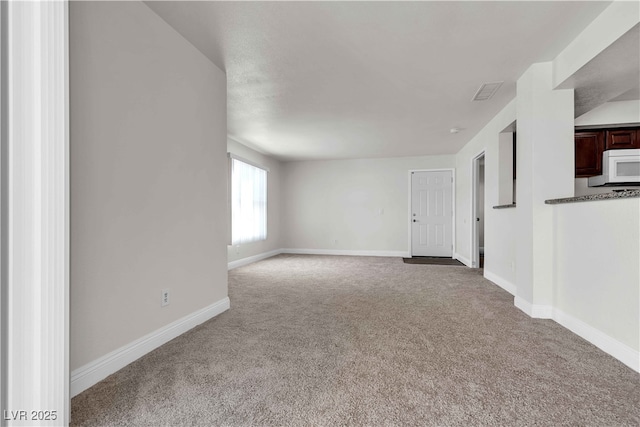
{"x":431,"y":213}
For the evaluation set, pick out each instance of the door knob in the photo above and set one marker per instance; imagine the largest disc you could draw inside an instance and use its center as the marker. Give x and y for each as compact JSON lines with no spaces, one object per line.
{"x":415,"y":220}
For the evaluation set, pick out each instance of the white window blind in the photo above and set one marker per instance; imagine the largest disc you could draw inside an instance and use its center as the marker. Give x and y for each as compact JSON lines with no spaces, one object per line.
{"x":248,"y":202}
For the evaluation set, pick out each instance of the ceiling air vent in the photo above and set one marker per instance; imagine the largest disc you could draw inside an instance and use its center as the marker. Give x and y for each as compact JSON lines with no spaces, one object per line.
{"x":486,"y":91}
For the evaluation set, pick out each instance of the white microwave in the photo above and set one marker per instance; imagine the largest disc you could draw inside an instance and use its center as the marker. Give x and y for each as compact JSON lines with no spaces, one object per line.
{"x":619,"y":168}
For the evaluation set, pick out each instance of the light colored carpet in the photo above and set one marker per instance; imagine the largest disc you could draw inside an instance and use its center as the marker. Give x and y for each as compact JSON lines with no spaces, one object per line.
{"x":324,"y":340}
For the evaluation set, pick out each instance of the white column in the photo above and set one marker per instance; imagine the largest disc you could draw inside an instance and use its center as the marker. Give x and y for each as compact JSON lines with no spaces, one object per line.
{"x":545,"y":170}
{"x":36,"y":198}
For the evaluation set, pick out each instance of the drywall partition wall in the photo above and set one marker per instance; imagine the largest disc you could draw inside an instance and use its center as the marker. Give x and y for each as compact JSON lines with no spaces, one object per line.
{"x":351,"y":206}
{"x":597,"y":276}
{"x":611,"y":113}
{"x":545,"y":170}
{"x":609,"y":26}
{"x":499,"y":244}
{"x":148,"y":178}
{"x":249,"y":251}
{"x":500,"y":252}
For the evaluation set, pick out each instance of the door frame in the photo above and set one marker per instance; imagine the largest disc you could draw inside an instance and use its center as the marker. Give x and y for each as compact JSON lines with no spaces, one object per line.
{"x":475,"y":178}
{"x":453,"y":207}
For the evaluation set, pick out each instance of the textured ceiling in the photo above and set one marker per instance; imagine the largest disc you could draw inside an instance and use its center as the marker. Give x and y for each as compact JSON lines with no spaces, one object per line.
{"x":613,"y":75}
{"x":327,"y":80}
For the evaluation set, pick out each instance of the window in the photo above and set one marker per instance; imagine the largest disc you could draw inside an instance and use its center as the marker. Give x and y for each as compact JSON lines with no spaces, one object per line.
{"x":248,"y":202}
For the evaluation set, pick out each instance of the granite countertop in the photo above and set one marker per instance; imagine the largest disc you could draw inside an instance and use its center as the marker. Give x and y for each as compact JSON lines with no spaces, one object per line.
{"x":512,"y":205}
{"x":604,"y":196}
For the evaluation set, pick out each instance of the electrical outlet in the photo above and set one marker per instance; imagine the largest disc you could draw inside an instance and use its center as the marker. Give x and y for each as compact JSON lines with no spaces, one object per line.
{"x":165,"y":298}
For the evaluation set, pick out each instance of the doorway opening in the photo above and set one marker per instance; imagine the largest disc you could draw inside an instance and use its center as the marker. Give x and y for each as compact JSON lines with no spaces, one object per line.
{"x":478,"y":212}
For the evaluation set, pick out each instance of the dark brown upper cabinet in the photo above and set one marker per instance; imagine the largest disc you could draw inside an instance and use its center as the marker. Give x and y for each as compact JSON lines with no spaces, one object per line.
{"x":589,"y":148}
{"x":622,"y":139}
{"x":590,"y":144}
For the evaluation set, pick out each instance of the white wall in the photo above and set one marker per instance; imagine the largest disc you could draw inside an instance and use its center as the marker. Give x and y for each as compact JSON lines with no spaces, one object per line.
{"x":148,"y":177}
{"x":611,"y":113}
{"x":336,"y":204}
{"x":597,"y":273}
{"x":499,"y":245}
{"x":545,"y":170}
{"x":274,"y":202}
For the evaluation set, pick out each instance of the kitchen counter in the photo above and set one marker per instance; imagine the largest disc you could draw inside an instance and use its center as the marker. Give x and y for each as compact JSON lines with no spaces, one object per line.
{"x":604,"y":196}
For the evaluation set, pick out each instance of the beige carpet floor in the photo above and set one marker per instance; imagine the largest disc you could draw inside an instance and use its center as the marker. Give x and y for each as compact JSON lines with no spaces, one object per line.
{"x":324,"y":340}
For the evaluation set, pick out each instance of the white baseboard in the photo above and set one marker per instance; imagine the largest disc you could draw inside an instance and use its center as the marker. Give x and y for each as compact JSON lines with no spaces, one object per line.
{"x":539,"y":311}
{"x":402,"y":254}
{"x":503,"y":283}
{"x":94,"y":372}
{"x":464,"y":260}
{"x":604,"y":342}
{"x":523,"y":305}
{"x":250,"y":260}
{"x":536,"y":311}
